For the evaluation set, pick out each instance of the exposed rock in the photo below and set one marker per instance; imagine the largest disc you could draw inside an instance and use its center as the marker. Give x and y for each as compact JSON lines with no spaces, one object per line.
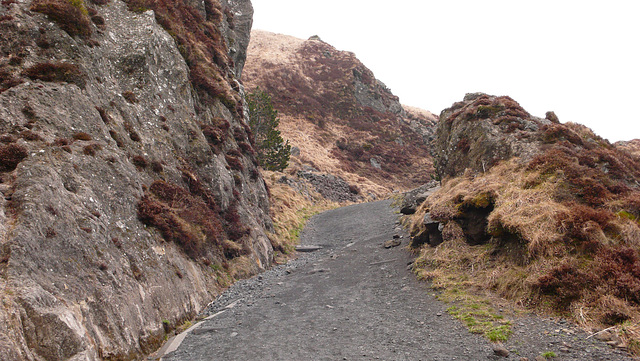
{"x":430,"y":234}
{"x":111,"y":118}
{"x":239,"y":33}
{"x":482,"y":130}
{"x":500,"y":350}
{"x":631,"y":146}
{"x":414,"y":198}
{"x":307,"y":248}
{"x":331,"y":187}
{"x":422,"y":122}
{"x":552,"y":117}
{"x":392,"y":243}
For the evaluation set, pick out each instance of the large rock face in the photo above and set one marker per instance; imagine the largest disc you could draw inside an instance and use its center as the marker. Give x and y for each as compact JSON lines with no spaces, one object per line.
{"x":129,"y":198}
{"x":482,"y":130}
{"x":343,"y":120}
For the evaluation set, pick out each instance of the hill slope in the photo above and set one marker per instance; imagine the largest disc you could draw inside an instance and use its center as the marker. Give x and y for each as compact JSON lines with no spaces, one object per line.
{"x":343,"y":120}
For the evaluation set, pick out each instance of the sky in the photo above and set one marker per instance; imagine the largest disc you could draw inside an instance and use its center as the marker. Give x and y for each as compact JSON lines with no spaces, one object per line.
{"x":580,"y":59}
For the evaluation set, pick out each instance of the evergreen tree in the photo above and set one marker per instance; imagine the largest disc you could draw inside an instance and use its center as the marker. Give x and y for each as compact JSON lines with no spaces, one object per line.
{"x":273,"y":152}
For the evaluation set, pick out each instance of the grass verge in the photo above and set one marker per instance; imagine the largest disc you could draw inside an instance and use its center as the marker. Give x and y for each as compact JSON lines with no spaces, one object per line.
{"x":474,"y":308}
{"x":291,"y":208}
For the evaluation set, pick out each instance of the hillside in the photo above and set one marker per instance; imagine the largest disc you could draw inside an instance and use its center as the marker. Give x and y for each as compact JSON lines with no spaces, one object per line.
{"x":343,"y":120}
{"x":543,"y":214}
{"x":130,"y":193}
{"x":632,"y":146}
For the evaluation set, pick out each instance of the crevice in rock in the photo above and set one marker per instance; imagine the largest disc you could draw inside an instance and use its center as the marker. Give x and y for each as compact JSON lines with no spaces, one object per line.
{"x":474,"y":224}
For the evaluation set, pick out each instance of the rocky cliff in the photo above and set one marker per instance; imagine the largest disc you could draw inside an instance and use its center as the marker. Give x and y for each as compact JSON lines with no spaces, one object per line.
{"x":130,"y":193}
{"x":343,"y":120}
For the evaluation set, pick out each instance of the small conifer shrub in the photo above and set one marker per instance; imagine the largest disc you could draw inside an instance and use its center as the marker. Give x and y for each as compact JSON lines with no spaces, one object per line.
{"x":273,"y":152}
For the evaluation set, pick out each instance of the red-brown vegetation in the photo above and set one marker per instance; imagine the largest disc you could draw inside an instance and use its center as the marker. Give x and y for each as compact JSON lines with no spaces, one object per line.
{"x":200,"y":42}
{"x":7,"y":78}
{"x":133,"y":134}
{"x":156,"y":166}
{"x":117,"y":138}
{"x":130,"y":97}
{"x":91,"y":149}
{"x":234,"y":162}
{"x":565,"y":230}
{"x":71,"y":16}
{"x":139,"y":161}
{"x":56,"y":72}
{"x":104,"y":115}
{"x":11,"y":155}
{"x":82,"y":136}
{"x":183,"y":218}
{"x":29,"y":135}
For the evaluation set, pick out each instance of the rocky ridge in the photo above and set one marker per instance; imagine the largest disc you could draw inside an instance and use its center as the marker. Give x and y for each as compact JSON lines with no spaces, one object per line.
{"x":344,"y":121}
{"x":130,"y":193}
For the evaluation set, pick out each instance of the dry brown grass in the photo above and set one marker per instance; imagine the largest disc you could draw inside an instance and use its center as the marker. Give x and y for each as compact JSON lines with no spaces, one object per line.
{"x":290,"y":210}
{"x":546,"y":252}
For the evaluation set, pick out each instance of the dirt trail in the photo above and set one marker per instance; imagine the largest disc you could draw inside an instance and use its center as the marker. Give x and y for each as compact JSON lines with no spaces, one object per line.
{"x":354,"y":300}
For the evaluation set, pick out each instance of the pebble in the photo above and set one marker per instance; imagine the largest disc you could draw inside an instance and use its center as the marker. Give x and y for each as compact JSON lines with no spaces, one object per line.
{"x":500,"y":350}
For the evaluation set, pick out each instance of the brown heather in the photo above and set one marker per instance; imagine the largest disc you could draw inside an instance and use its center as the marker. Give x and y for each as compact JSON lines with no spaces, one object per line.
{"x":56,"y":72}
{"x":11,"y":155}
{"x":201,"y":43}
{"x":312,"y":85}
{"x":70,"y":15}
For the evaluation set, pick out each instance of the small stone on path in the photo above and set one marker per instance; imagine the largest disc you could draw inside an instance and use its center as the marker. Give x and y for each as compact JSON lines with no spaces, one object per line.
{"x":309,"y":248}
{"x":500,"y":350}
{"x":392,"y":243}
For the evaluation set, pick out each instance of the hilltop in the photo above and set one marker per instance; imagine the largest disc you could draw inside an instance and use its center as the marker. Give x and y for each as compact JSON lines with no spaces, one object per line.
{"x":343,"y":120}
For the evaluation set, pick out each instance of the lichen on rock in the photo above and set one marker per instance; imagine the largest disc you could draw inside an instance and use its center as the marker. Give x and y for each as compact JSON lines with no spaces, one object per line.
{"x":90,"y":125}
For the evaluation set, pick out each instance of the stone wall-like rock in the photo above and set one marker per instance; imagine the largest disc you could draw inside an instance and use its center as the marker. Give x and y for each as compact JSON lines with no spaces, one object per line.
{"x":482,"y":130}
{"x":101,"y":118}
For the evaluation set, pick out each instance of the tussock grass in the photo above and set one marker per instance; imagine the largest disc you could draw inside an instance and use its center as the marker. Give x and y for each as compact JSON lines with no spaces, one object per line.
{"x":290,"y":210}
{"x":549,"y":250}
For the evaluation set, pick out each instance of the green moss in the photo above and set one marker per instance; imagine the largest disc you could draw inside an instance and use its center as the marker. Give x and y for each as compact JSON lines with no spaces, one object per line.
{"x":627,"y":215}
{"x":482,"y":200}
{"x":476,"y":314}
{"x":487,"y":111}
{"x":498,"y":333}
{"x":79,"y":4}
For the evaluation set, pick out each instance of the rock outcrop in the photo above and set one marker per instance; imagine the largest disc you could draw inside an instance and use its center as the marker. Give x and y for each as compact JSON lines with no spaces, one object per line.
{"x":534,"y":210}
{"x":130,"y":192}
{"x":342,"y":119}
{"x":482,"y":130}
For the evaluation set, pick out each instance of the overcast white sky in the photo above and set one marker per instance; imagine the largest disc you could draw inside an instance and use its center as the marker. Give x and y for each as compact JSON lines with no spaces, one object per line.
{"x":580,"y":59}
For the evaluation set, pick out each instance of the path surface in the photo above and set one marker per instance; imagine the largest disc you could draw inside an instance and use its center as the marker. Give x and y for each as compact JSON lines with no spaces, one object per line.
{"x":351,"y":300}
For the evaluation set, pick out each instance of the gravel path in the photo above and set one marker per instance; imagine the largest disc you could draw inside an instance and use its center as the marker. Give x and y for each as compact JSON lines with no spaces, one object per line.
{"x":356,"y":300}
